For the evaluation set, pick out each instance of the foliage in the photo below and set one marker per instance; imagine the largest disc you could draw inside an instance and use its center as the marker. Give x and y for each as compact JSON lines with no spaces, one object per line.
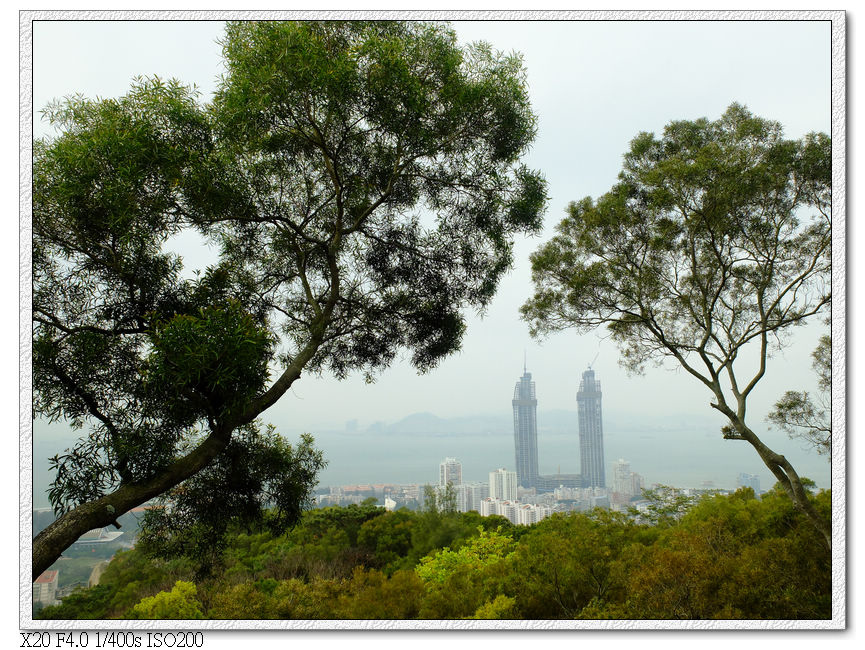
{"x":732,"y":556}
{"x":487,"y":548}
{"x":388,"y":537}
{"x":801,"y":415}
{"x":566,"y":561}
{"x":460,"y":582}
{"x":372,"y":595}
{"x":91,"y":603}
{"x":665,"y":505}
{"x":440,"y":498}
{"x":361,"y":182}
{"x":713,"y":245}
{"x":502,"y":607}
{"x":261,"y":480}
{"x":179,"y":603}
{"x":211,"y":362}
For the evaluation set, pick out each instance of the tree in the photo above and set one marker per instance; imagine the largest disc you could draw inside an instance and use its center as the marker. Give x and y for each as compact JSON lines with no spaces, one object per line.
{"x":567,"y":560}
{"x":731,"y":557}
{"x":179,"y":603}
{"x":371,"y":595}
{"x":388,"y":537}
{"x":712,"y":246}
{"x":362,"y":186}
{"x":665,"y":506}
{"x":460,"y":582}
{"x":193,"y":521}
{"x":487,"y":548}
{"x":801,"y":415}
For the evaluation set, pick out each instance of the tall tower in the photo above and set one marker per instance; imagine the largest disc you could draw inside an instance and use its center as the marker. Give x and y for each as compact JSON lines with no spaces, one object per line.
{"x":450,"y":471}
{"x":526,"y":430}
{"x":591,"y":431}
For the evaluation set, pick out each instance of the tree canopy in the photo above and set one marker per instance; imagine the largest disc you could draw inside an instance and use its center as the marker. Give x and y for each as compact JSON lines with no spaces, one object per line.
{"x":715,"y":241}
{"x":362,"y":184}
{"x":808,"y":416}
{"x":724,"y":557}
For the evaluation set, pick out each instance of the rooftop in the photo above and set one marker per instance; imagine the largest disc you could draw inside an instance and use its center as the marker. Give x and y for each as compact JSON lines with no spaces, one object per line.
{"x":47,"y":577}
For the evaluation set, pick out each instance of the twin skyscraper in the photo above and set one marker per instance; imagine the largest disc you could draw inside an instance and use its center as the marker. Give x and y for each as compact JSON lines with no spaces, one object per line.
{"x":591,"y":432}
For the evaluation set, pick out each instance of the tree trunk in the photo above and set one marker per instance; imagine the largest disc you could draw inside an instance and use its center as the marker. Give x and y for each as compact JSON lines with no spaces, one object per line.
{"x":789,"y":479}
{"x":57,"y":537}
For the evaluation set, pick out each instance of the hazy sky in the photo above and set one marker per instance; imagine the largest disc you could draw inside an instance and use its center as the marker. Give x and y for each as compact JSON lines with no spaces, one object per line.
{"x":594,"y":85}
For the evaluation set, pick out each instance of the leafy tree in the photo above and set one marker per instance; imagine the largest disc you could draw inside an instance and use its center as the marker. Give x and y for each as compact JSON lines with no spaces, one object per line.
{"x":389,"y":537}
{"x":728,"y":556}
{"x":808,"y":417}
{"x":371,"y":595}
{"x":92,"y":603}
{"x":361,"y":183}
{"x":179,"y":603}
{"x":712,"y":246}
{"x":566,"y":561}
{"x":731,"y":557}
{"x":501,"y":607}
{"x":348,"y":519}
{"x":440,"y":499}
{"x":316,"y":599}
{"x":486,"y":548}
{"x":461,"y":582}
{"x":241,"y":601}
{"x":256,"y":471}
{"x":666,"y":505}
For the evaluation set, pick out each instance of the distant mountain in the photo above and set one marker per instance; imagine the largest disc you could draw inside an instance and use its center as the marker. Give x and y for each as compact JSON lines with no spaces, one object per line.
{"x":552,"y":422}
{"x":432,"y":425}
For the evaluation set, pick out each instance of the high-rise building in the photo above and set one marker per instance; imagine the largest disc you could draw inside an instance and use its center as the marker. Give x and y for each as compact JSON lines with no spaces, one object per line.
{"x":622,"y":478}
{"x":503,"y":485}
{"x":450,"y":471}
{"x":626,"y":484}
{"x":526,"y":430}
{"x":749,"y":480}
{"x":470,"y":495}
{"x":637,"y":484}
{"x":591,"y":431}
{"x":45,"y":588}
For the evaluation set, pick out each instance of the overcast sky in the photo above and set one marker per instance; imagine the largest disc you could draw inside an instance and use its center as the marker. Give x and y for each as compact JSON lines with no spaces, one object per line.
{"x":594,"y":85}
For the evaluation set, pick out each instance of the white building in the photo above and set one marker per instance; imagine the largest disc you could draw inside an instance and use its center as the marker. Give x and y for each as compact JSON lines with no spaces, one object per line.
{"x":503,"y":485}
{"x":626,"y":484}
{"x":450,"y":471}
{"x":622,"y":477}
{"x":470,"y":495}
{"x":517,"y":513}
{"x":529,"y":514}
{"x":567,"y":493}
{"x":45,"y":588}
{"x":638,"y":484}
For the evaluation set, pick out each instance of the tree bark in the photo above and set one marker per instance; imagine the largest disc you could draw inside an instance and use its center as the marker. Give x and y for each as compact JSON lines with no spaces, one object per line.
{"x":780,"y":468}
{"x":59,"y":535}
{"x":789,"y":479}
